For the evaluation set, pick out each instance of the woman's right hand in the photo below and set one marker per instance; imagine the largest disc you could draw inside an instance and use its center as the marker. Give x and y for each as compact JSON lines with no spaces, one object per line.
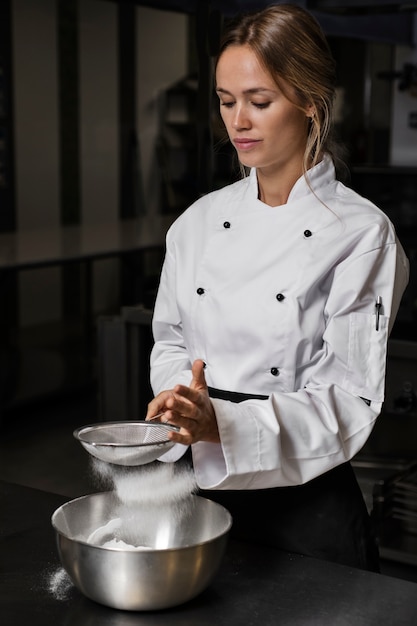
{"x":190,"y":408}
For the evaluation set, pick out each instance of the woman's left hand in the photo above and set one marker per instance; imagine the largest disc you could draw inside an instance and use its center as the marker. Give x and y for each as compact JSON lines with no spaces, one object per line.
{"x":190,"y":408}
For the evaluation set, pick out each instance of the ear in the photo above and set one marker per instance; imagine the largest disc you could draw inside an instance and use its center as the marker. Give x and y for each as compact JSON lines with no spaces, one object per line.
{"x":310,"y":111}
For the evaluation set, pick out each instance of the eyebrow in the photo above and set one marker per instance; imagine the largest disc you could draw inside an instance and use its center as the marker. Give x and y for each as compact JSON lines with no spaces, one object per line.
{"x":252,"y":90}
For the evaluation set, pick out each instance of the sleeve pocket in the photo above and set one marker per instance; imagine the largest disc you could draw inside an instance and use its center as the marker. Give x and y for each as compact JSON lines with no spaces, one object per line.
{"x":367,"y":356}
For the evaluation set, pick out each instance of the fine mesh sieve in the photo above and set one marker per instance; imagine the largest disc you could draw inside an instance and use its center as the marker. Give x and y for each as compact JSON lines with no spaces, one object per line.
{"x":125,"y":443}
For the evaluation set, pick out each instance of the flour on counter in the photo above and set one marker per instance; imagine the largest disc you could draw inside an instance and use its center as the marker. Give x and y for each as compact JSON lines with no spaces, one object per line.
{"x":59,"y":584}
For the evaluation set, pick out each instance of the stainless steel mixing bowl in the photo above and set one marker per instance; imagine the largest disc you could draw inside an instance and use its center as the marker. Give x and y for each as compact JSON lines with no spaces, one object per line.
{"x":186,"y":551}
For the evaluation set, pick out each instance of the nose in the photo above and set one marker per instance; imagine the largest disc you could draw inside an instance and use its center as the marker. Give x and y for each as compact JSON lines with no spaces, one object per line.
{"x":240,"y":120}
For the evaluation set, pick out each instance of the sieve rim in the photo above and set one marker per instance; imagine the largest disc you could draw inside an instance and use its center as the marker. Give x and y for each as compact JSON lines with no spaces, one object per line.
{"x":88,"y":428}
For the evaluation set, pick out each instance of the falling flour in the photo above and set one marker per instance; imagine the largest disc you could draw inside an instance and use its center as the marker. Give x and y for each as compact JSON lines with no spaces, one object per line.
{"x":145,"y":495}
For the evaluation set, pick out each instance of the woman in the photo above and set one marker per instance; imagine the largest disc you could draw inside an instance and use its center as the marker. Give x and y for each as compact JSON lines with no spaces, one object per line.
{"x":275,"y":304}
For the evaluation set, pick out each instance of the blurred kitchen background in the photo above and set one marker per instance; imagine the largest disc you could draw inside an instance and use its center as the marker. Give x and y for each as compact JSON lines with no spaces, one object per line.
{"x":108,"y":130}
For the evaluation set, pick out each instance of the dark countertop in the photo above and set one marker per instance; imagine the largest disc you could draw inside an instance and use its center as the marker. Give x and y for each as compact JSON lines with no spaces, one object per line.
{"x":255,"y":585}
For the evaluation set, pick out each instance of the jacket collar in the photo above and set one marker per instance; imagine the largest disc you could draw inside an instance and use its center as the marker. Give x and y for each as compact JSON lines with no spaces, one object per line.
{"x":318,"y":177}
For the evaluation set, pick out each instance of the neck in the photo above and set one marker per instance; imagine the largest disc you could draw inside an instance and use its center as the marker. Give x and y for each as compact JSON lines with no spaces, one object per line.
{"x":275,"y":187}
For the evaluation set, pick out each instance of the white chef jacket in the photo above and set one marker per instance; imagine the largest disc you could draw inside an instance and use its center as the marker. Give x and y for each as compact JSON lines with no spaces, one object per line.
{"x":280,"y":301}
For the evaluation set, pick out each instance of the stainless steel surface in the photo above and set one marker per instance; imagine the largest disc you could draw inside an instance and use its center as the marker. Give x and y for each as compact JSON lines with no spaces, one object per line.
{"x":125,"y":443}
{"x":187,"y":554}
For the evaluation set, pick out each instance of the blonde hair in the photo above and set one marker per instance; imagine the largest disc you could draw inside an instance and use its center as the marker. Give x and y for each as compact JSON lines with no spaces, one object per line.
{"x":290,"y":44}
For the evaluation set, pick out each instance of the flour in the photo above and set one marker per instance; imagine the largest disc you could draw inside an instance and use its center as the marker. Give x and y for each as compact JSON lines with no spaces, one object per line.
{"x":59,"y":584}
{"x":119,"y":544}
{"x":159,"y":485}
{"x":148,"y":497}
{"x":151,"y":500}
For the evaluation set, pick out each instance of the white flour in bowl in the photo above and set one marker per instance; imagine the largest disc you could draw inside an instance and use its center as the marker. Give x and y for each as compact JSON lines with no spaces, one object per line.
{"x":145,"y":494}
{"x":119,"y":544}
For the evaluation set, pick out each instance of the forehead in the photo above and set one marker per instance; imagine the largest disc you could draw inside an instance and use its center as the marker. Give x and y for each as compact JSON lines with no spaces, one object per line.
{"x":240,"y":65}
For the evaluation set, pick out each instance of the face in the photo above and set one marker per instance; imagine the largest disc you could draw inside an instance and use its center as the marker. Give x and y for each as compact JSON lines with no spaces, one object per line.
{"x":267,"y":130}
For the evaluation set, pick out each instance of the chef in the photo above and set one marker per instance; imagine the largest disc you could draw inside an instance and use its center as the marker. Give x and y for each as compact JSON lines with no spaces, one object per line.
{"x":276,"y":299}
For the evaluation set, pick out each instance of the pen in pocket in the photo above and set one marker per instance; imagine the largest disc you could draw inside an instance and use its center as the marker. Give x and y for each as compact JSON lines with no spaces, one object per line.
{"x":378,"y":305}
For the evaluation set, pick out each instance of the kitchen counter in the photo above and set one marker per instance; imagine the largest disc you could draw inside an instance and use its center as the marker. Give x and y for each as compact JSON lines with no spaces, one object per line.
{"x":35,"y":248}
{"x":255,"y":585}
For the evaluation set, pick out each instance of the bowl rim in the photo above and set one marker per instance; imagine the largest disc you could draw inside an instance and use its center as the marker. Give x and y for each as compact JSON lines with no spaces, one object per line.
{"x":62,"y":533}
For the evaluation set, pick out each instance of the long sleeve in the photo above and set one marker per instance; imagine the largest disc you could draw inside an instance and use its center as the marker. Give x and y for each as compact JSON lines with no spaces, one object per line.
{"x":170,"y":361}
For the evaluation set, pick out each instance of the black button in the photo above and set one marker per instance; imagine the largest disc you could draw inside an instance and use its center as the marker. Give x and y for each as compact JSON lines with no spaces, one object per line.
{"x":307,"y":233}
{"x":200,"y":291}
{"x":280,"y":297}
{"x":274,"y":371}
{"x":226,"y":224}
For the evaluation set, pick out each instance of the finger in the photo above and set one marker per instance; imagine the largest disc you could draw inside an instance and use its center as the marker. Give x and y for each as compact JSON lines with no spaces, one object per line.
{"x":185,"y":400}
{"x":158,"y":404}
{"x":183,"y":437}
{"x":199,"y":380}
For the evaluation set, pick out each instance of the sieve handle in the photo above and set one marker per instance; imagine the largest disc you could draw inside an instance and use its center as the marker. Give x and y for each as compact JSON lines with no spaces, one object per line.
{"x":167,"y":424}
{"x":151,"y":419}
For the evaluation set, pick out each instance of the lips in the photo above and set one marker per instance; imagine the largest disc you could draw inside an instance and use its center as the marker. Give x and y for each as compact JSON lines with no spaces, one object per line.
{"x":244,"y":143}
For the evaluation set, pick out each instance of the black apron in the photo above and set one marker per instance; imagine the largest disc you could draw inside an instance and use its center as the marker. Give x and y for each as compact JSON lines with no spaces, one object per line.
{"x":325,"y":518}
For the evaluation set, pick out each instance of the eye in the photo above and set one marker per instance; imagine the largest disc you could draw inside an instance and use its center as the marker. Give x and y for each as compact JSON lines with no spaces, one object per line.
{"x":228,"y":105}
{"x":261,"y":105}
